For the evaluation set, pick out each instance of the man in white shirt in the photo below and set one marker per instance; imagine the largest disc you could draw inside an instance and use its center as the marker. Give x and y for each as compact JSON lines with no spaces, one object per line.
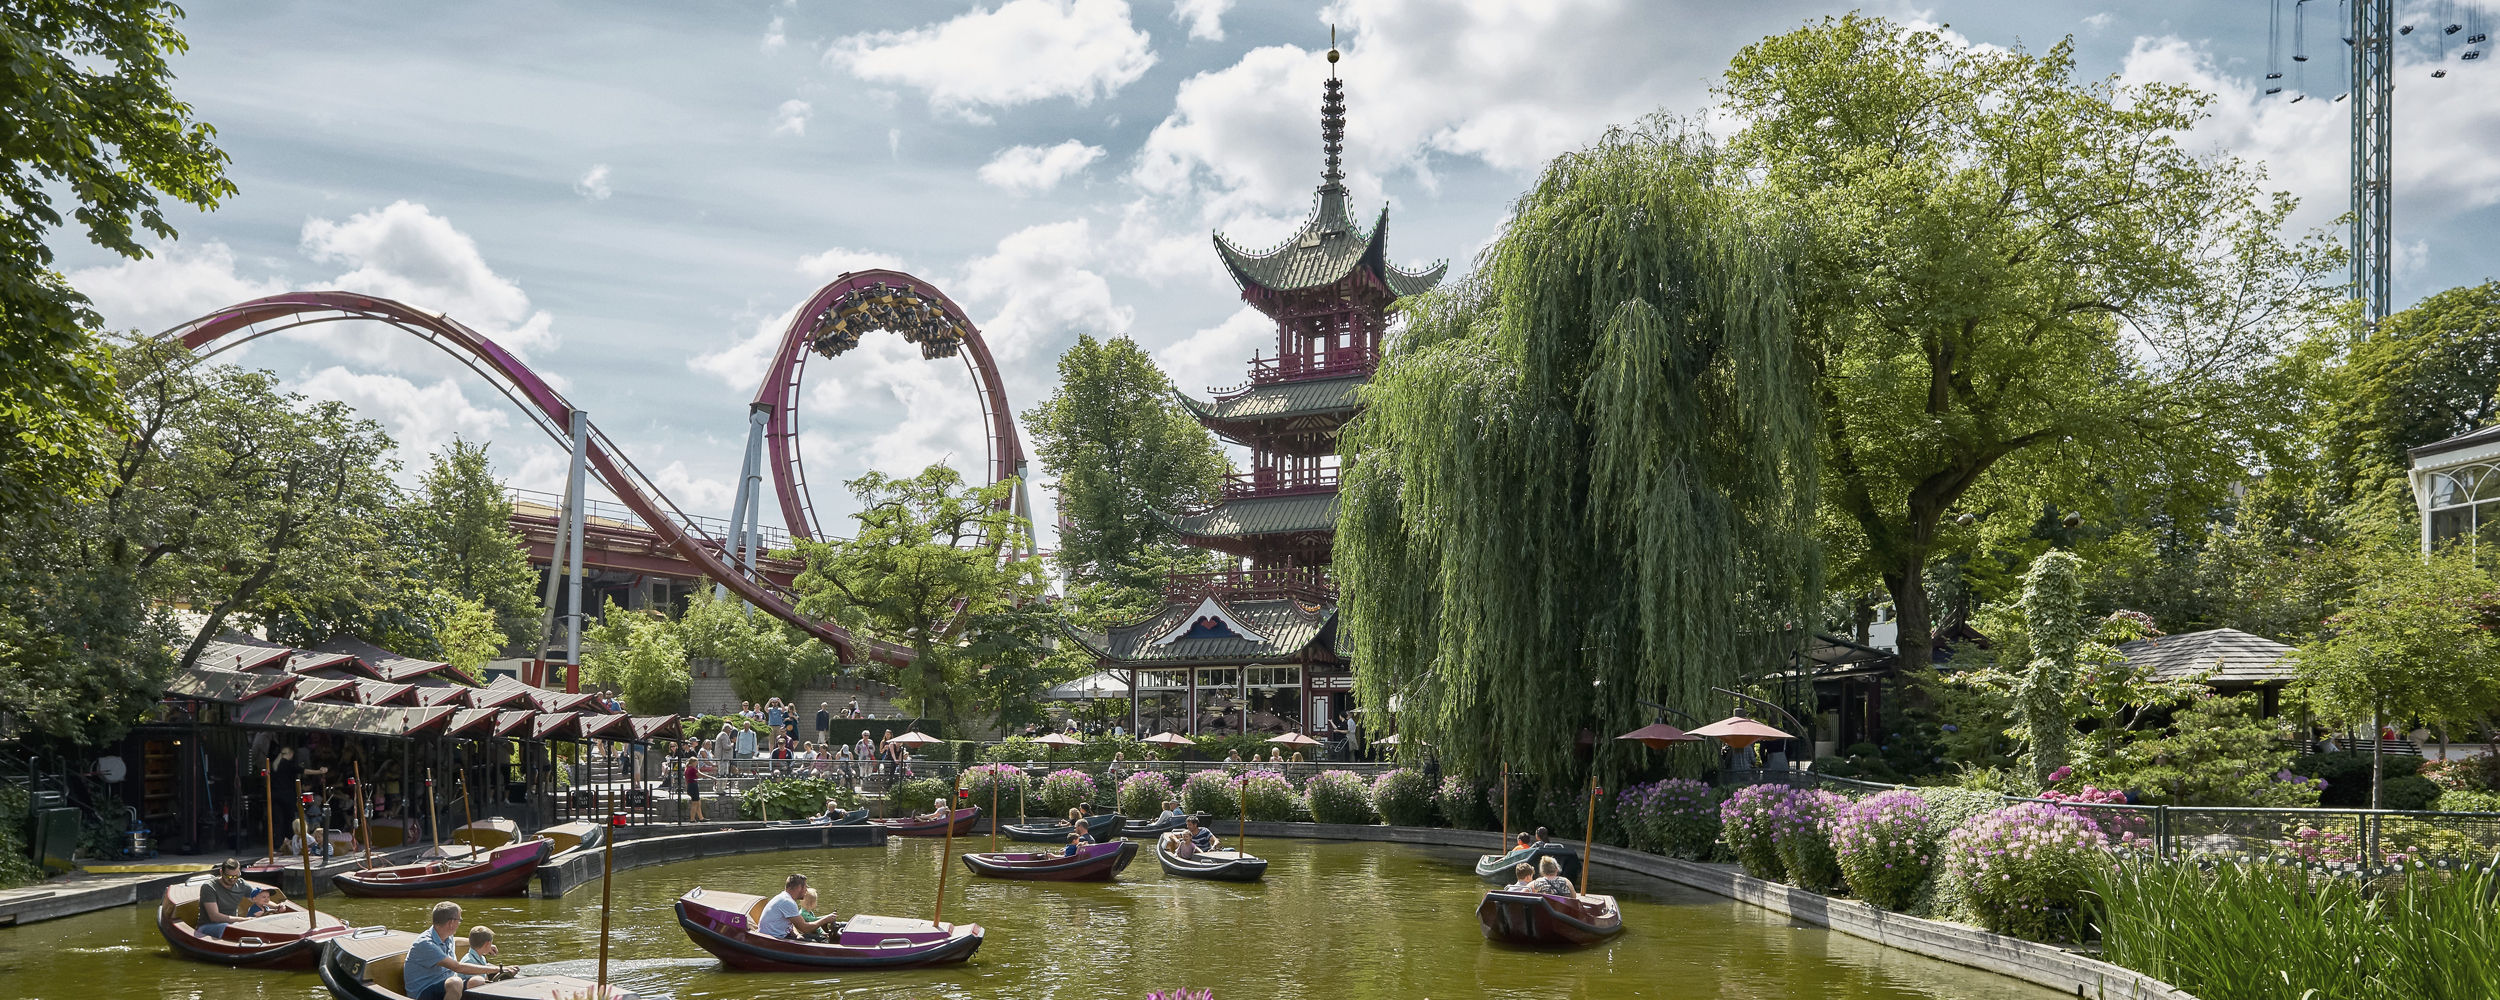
{"x":782,"y":918}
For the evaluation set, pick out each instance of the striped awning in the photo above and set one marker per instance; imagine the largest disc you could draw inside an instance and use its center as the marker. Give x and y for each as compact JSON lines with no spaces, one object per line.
{"x":553,"y":725}
{"x":656,"y":727}
{"x":383,"y":693}
{"x":511,"y":721}
{"x":471,"y":722}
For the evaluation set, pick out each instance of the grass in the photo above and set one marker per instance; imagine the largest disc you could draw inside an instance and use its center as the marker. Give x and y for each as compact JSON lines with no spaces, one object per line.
{"x":2260,"y":932}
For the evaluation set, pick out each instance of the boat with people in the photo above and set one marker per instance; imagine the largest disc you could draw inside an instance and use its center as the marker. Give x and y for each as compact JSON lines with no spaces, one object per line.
{"x":1103,"y":827}
{"x":959,"y":824}
{"x":283,"y":937}
{"x":1090,"y":863}
{"x":1157,"y":826}
{"x":1547,"y":920}
{"x":853,"y":817}
{"x":371,"y":962}
{"x":1498,"y":869}
{"x":506,"y":871}
{"x":1212,"y":866}
{"x":723,"y":923}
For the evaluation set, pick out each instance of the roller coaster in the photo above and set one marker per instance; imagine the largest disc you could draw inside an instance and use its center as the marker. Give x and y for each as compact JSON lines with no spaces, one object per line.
{"x":829,"y":324}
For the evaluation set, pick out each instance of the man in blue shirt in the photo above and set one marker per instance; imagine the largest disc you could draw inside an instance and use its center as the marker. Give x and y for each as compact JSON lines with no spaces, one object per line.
{"x":432,"y":973}
{"x":782,"y":918}
{"x":746,"y":744}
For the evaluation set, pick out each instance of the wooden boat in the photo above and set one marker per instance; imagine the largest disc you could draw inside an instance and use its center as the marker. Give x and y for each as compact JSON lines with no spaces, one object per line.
{"x":1156,"y":827}
{"x":487,"y":834}
{"x":286,"y":939}
{"x":573,"y":836}
{"x":1105,"y":827}
{"x":1213,"y":866}
{"x":371,"y":964}
{"x":1497,"y":869}
{"x":723,"y":923}
{"x":1536,"y":918}
{"x":505,"y":872}
{"x":1090,"y":863}
{"x":855,"y":817}
{"x":913,"y":826}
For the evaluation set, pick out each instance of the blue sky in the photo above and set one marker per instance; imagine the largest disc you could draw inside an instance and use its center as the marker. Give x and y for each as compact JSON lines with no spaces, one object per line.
{"x":634,"y":195}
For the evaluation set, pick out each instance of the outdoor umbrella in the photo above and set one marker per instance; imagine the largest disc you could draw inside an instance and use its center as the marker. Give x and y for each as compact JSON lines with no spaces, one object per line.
{"x":1739,"y":732}
{"x":1170,"y":740}
{"x":1660,"y":736}
{"x":1295,"y":739}
{"x":1059,"y":740}
{"x":915,"y":738}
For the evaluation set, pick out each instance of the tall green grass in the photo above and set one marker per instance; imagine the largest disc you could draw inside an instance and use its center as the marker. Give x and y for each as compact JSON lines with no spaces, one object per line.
{"x":2265,"y":932}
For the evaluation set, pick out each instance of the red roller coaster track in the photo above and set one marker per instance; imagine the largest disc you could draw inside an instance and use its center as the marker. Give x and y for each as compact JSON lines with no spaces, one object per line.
{"x":244,"y":322}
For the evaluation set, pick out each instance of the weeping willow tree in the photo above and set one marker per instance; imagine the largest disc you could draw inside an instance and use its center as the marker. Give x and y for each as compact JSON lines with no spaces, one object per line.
{"x":1585,"y":475}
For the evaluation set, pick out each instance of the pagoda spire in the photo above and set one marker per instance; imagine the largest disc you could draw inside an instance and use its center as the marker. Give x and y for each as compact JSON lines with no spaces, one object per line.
{"x":1332,"y":119}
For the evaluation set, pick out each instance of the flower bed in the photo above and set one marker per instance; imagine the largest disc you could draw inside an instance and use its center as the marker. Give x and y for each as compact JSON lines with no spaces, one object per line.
{"x":1752,"y":831}
{"x":1340,"y":797}
{"x":1210,"y":792}
{"x":1676,"y":817}
{"x":1886,"y":847}
{"x":1143,"y":794}
{"x":1011,"y":785}
{"x":2022,"y":870}
{"x":1270,"y":797}
{"x":1802,"y":837}
{"x":1065,"y":789}
{"x":1403,"y":797}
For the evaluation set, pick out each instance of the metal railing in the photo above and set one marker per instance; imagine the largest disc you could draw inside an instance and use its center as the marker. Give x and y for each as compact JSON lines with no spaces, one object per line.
{"x":774,"y":538}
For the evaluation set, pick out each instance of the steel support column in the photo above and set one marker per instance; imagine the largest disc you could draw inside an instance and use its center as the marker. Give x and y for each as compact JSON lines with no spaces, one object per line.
{"x":2373,"y":39}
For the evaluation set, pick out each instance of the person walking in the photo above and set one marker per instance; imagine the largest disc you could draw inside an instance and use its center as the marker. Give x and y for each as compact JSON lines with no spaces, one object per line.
{"x":824,"y":721}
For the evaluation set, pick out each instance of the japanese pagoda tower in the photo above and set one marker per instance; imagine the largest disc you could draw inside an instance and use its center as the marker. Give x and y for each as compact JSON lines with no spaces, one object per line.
{"x":1254,"y":650}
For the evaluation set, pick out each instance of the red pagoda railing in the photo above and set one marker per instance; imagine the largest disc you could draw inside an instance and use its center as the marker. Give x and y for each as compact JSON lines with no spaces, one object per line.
{"x":1271,"y":483}
{"x":1337,"y":364}
{"x":1310,"y":584}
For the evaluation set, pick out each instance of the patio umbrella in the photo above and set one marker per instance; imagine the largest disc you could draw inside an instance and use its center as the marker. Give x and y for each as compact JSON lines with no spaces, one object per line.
{"x":1660,"y":736}
{"x":1295,"y":739}
{"x":915,"y":738}
{"x":1739,"y":732}
{"x":1170,"y":740}
{"x":1059,"y":740}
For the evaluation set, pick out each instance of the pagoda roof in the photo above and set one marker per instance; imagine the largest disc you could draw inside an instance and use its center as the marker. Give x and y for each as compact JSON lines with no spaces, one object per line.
{"x":1275,"y":630}
{"x":1282,"y":401}
{"x":1329,"y":247}
{"x":1259,"y":516}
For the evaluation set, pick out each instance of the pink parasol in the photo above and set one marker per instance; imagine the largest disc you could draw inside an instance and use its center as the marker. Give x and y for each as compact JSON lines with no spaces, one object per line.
{"x":1660,"y":736}
{"x":915,"y":738}
{"x":1170,"y":740}
{"x":1059,"y":740}
{"x":1295,"y":739}
{"x":1739,"y":732}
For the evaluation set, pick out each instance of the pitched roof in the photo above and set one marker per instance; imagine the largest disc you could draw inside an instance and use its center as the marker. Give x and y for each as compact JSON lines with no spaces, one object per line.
{"x":392,"y":666}
{"x":1259,"y":516}
{"x":228,"y":686}
{"x":236,"y":651}
{"x":1327,"y":249}
{"x":465,"y":719}
{"x":498,"y":694}
{"x":1285,"y":628}
{"x":509,"y":720}
{"x":2241,"y":658}
{"x":1283,"y":400}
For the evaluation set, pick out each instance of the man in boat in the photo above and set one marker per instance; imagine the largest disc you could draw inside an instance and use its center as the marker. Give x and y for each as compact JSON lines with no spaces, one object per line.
{"x":784,"y":917}
{"x":1171,"y":810}
{"x":431,"y":973}
{"x":1540,"y":837}
{"x":1550,"y":880}
{"x":227,"y":899}
{"x":1192,"y":839}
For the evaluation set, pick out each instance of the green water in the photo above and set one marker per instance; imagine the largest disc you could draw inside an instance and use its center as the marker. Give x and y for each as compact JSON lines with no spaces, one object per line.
{"x":1332,"y":920}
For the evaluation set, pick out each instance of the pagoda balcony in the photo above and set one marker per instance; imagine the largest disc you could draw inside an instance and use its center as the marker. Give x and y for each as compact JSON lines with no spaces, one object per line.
{"x":1297,"y":367}
{"x":1271,"y":483}
{"x":1308,"y":584}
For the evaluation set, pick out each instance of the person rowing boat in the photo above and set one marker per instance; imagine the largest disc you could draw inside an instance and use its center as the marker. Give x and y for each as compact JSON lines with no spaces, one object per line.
{"x":787,"y":914}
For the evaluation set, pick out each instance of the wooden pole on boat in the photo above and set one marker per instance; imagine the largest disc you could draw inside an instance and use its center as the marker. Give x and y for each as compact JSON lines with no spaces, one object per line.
{"x":946,"y":850}
{"x":303,"y":841}
{"x":270,"y":799}
{"x":1241,"y":831}
{"x":1505,"y":844}
{"x":1588,"y":834}
{"x":994,"y":810}
{"x":469,"y":817}
{"x":432,"y":822}
{"x":607,"y":880}
{"x":364,"y":823}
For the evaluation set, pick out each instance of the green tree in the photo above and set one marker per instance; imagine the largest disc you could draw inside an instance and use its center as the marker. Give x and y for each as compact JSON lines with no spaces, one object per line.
{"x":931,"y":557}
{"x":86,"y":92}
{"x":641,"y":655}
{"x":82,"y":656}
{"x":2053,"y":612}
{"x":1121,"y":449}
{"x":467,"y":543}
{"x":2416,"y":640}
{"x":2431,"y":372}
{"x":763,"y":659}
{"x":2013,"y":284}
{"x":1592,"y":461}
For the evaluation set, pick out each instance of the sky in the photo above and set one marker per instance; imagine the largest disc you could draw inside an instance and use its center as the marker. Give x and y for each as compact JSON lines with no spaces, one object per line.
{"x":634,"y":197}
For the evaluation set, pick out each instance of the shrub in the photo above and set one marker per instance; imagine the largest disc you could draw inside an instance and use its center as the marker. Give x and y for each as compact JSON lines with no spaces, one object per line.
{"x":1676,"y":816}
{"x":2121,"y":826}
{"x":1747,"y":817}
{"x":1802,"y":836}
{"x":1463,"y":802}
{"x":1339,"y":797}
{"x":1270,"y":797}
{"x":1886,"y":847}
{"x":2347,"y":774}
{"x":1103,"y":747}
{"x":2468,"y":800}
{"x":2022,"y":870}
{"x":1403,"y":797}
{"x":1065,"y":789}
{"x":2412,"y":791}
{"x":2478,"y":773}
{"x":794,"y":798}
{"x":1245,"y":744}
{"x":1210,"y":792}
{"x":1142,"y":795}
{"x":1012,"y":786}
{"x":915,"y":794}
{"x":1015,"y":749}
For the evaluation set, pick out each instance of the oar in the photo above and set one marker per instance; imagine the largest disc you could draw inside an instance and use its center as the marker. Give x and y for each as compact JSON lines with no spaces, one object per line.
{"x":356,"y":784}
{"x":312,"y":911}
{"x":1588,"y":833}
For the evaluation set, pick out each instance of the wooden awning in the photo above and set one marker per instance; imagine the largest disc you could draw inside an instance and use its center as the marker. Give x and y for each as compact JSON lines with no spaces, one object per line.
{"x":471,"y":722}
{"x":553,"y":725}
{"x":442,"y":695}
{"x":656,"y":727}
{"x":228,"y":686}
{"x":607,"y":727}
{"x":316,"y":689}
{"x":383,"y":693}
{"x":513,"y":720}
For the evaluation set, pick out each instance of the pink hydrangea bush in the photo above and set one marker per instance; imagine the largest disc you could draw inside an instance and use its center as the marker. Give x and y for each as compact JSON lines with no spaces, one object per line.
{"x":1747,"y":817}
{"x":1886,"y":845}
{"x":1142,"y":795}
{"x":1210,"y":792}
{"x":2022,"y":869}
{"x":1340,"y":797}
{"x":1677,"y":816}
{"x":1065,"y":789}
{"x":1801,"y":833}
{"x":1269,"y":796}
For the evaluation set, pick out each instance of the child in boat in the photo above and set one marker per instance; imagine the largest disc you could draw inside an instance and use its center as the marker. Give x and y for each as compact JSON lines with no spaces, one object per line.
{"x":1520,"y":875}
{"x":482,"y":952}
{"x":807,"y":912}
{"x":1076,"y":841}
{"x":1171,"y":810}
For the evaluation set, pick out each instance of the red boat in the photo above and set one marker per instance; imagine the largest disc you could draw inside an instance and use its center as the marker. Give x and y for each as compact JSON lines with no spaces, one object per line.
{"x":1535,"y":918}
{"x":1091,"y":863}
{"x":505,"y":872}
{"x":914,"y":826}
{"x":286,"y":939}
{"x":372,"y":963}
{"x":723,"y":923}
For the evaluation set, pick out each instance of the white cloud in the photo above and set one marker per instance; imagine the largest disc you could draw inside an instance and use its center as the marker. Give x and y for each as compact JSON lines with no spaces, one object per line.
{"x":743,"y":361}
{"x":422,"y":419}
{"x":1204,"y":17}
{"x":774,"y":36}
{"x":1024,"y":51}
{"x":407,"y":253}
{"x":1039,"y":278}
{"x":2408,"y":259}
{"x":176,"y":284}
{"x":594,"y":185}
{"x":2099,"y":22}
{"x":692,"y":492}
{"x":881,"y":406}
{"x":1218,"y":356}
{"x":791,"y":117}
{"x":1037,"y":168}
{"x":838,"y":261}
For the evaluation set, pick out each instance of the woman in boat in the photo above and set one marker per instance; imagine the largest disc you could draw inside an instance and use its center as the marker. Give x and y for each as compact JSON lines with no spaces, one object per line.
{"x":1550,"y":880}
{"x":1171,"y":810}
